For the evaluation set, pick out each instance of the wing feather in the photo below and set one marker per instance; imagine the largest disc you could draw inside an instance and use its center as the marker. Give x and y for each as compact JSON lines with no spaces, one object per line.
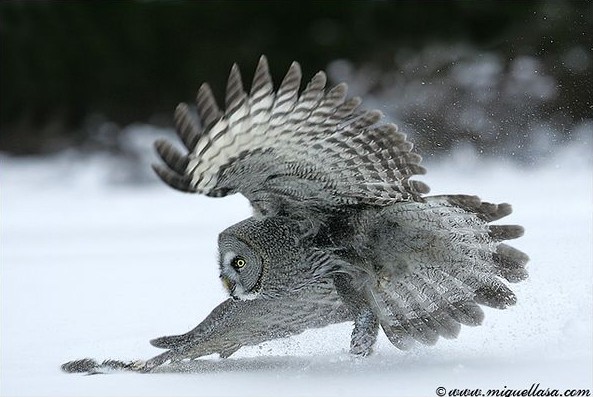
{"x":235,"y":94}
{"x":207,"y":107}
{"x":187,"y":128}
{"x":176,"y":181}
{"x":319,"y":142}
{"x":174,"y":159}
{"x":234,"y":324}
{"x":262,"y":80}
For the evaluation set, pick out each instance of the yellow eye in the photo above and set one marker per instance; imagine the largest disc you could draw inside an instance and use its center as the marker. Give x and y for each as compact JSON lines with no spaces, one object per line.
{"x":238,"y":263}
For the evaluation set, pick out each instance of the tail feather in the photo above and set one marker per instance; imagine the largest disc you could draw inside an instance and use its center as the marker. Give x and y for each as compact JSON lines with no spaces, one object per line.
{"x":437,"y":262}
{"x":427,"y":330}
{"x":489,"y":291}
{"x":452,"y":296}
{"x":488,"y":212}
{"x":505,"y":232}
{"x":475,"y":282}
{"x":429,"y":301}
{"x":449,"y":327}
{"x":496,"y":295}
{"x":434,"y":302}
{"x":459,"y":303}
{"x":468,"y":313}
{"x":398,"y":336}
{"x":429,"y":334}
{"x":510,"y":263}
{"x":427,"y":313}
{"x":404,"y":316}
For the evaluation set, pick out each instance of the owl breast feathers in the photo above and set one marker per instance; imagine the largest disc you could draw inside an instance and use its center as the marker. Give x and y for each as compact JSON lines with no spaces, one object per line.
{"x":340,"y":231}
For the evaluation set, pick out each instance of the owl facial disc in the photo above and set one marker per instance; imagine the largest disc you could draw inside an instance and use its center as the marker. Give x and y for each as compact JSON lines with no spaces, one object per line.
{"x":240,"y":268}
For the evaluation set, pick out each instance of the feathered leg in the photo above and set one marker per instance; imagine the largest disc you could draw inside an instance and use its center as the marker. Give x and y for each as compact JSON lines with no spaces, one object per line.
{"x":366,"y":324}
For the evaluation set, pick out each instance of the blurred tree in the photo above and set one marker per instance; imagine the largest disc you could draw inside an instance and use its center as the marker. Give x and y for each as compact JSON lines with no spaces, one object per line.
{"x":65,"y":64}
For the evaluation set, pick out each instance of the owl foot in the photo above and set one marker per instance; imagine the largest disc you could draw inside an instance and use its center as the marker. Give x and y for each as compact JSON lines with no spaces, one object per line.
{"x":364,"y":335}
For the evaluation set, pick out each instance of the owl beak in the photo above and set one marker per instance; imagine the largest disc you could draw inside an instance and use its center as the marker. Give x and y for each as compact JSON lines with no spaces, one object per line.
{"x":228,"y":284}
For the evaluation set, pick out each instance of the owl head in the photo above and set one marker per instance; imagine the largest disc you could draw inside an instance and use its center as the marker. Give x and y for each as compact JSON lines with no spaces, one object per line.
{"x":248,"y":251}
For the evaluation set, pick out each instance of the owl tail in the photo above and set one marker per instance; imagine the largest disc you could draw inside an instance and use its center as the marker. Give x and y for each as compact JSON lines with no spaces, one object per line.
{"x":437,"y":261}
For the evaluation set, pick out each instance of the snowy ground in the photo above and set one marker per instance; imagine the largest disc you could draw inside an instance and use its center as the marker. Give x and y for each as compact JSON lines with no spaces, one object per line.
{"x":90,"y":269}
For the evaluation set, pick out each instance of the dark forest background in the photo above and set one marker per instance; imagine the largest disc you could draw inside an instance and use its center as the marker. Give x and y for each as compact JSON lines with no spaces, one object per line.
{"x":492,"y":73}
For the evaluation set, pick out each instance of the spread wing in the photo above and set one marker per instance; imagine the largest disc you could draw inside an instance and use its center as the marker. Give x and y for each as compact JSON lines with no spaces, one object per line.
{"x":234,"y":324}
{"x":287,"y":150}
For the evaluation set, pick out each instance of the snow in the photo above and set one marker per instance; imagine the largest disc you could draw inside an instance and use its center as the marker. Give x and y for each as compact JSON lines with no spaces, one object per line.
{"x":93,"y":269}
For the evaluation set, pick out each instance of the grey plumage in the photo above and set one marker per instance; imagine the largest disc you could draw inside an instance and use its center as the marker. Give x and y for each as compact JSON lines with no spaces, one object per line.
{"x":340,"y":231}
{"x":324,"y":170}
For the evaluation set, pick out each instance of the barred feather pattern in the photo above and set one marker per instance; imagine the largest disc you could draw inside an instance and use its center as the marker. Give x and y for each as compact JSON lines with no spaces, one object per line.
{"x":317,"y":146}
{"x":435,"y":262}
{"x":234,"y":324}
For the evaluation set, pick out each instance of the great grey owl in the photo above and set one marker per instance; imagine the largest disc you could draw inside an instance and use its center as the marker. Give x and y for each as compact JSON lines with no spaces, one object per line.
{"x":339,"y":232}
